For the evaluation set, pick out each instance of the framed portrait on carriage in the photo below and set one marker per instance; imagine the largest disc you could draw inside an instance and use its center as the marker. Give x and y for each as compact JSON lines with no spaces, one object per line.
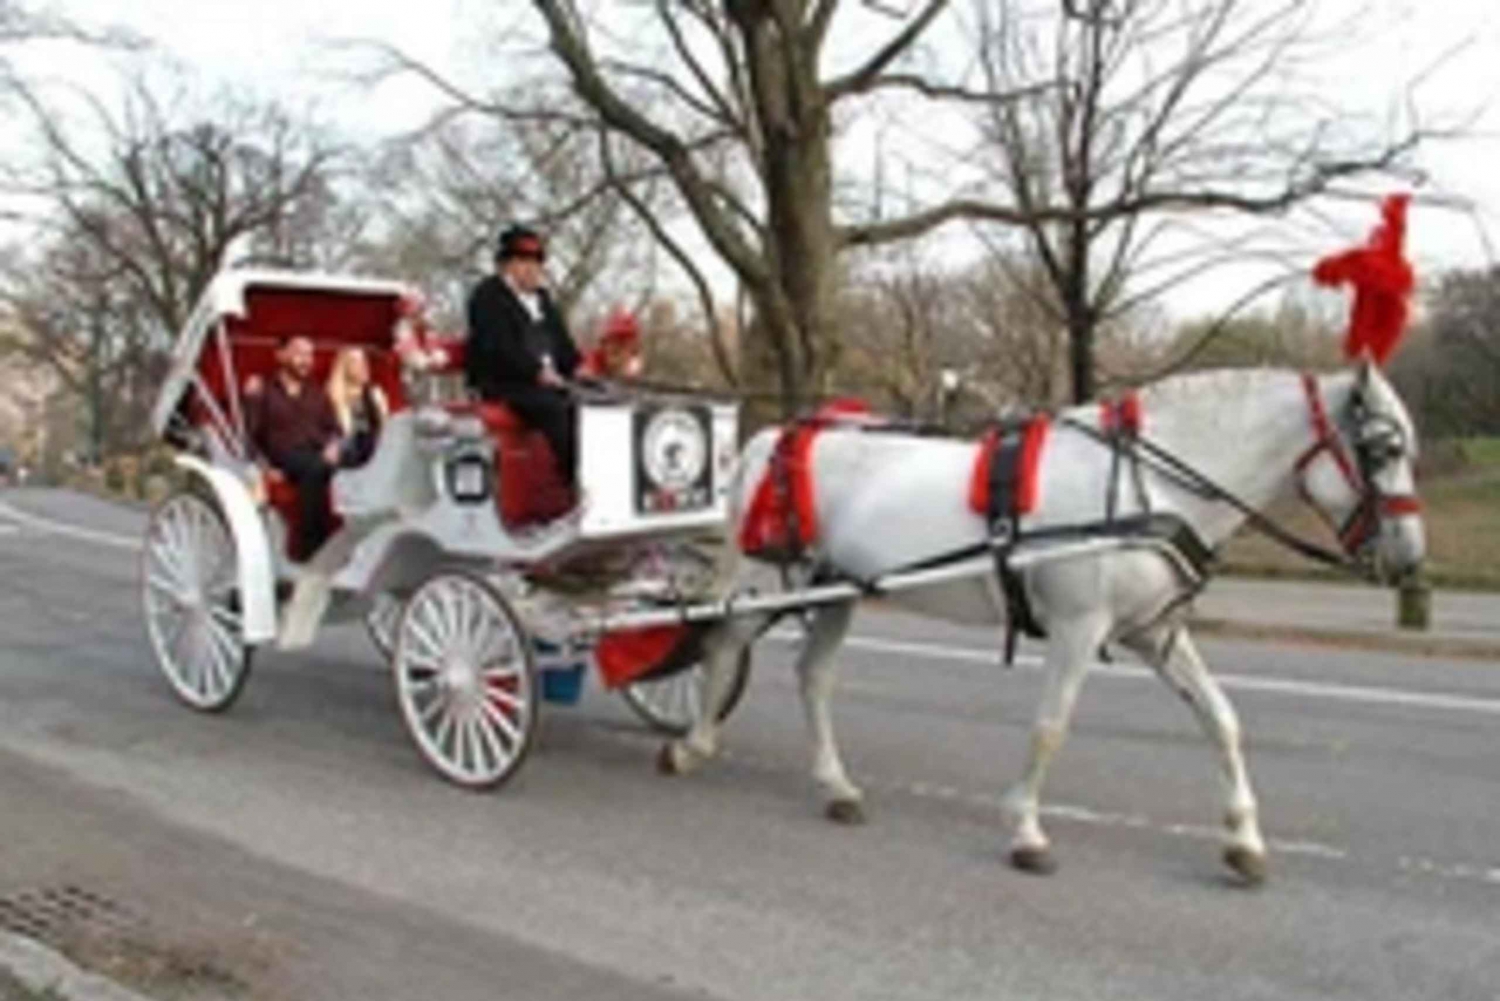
{"x":673,"y":467}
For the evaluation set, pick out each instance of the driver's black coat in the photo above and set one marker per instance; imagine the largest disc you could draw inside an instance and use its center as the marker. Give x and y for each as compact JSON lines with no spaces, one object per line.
{"x":500,"y":362}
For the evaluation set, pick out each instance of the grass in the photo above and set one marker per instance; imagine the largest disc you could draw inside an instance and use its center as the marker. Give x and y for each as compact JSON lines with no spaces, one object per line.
{"x":1483,"y":453}
{"x":13,"y":989}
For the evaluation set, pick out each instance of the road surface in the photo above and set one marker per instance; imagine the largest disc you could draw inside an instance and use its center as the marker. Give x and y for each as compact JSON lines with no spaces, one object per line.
{"x":301,"y":837}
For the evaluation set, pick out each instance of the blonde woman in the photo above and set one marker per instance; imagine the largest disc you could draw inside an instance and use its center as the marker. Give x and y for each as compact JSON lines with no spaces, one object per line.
{"x":359,"y":405}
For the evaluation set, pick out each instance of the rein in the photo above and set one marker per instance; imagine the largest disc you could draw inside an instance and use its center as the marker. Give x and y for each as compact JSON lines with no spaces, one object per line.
{"x":1188,"y":478}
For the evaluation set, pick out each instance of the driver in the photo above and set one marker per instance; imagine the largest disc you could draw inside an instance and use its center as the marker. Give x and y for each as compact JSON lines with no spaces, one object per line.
{"x":519,"y":351}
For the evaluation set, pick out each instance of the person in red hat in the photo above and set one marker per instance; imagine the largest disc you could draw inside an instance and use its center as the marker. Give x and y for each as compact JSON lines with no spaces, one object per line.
{"x":618,"y":353}
{"x":519,"y":351}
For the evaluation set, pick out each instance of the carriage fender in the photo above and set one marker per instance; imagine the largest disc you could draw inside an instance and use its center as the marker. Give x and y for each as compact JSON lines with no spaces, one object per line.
{"x":252,"y":548}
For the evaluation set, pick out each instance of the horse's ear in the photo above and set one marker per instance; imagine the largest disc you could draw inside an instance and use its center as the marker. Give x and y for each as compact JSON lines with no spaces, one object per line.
{"x":1363,"y":370}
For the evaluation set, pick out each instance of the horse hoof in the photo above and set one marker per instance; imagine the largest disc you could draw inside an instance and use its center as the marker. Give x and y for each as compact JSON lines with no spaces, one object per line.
{"x":666,"y":762}
{"x":1037,"y":861}
{"x":850,"y":812}
{"x":1250,"y":866}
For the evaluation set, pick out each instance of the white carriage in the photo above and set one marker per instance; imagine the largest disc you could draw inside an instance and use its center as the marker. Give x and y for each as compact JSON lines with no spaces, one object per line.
{"x":449,"y":544}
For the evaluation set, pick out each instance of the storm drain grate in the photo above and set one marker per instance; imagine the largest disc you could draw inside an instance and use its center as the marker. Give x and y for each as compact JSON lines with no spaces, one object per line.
{"x":49,"y":913}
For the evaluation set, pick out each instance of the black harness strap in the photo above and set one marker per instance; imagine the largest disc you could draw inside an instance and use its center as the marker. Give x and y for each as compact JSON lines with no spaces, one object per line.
{"x":1004,"y":520}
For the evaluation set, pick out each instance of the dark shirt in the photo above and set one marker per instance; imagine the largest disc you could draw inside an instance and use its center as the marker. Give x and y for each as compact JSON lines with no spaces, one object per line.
{"x":504,"y":353}
{"x":364,"y":429}
{"x":282,"y":423}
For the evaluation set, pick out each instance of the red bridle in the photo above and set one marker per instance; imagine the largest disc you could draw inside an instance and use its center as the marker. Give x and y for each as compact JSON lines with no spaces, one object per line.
{"x":1358,"y":472}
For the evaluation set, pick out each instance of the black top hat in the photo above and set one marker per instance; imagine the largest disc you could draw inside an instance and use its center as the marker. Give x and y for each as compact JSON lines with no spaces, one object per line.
{"x":520,"y":241}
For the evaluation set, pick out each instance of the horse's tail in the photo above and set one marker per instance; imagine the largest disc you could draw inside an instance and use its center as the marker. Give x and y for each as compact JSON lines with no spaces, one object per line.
{"x":744,"y":477}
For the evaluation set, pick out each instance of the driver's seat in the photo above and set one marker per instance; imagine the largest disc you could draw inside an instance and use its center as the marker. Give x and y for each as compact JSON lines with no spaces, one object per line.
{"x":531,"y":490}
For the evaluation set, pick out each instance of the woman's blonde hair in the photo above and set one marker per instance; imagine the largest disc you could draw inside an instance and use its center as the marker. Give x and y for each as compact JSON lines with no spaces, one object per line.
{"x":344,"y":394}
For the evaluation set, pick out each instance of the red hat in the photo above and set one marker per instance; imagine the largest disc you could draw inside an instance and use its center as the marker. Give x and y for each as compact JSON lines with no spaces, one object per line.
{"x":520,"y":241}
{"x":621,"y":327}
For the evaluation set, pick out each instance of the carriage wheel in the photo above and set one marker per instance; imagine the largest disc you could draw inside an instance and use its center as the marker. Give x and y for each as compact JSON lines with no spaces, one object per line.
{"x":381,"y":622}
{"x":465,"y":679}
{"x":189,"y":590}
{"x":672,"y":704}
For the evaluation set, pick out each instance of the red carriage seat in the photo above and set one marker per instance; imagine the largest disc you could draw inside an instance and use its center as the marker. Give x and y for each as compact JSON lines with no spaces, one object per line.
{"x":531,"y":488}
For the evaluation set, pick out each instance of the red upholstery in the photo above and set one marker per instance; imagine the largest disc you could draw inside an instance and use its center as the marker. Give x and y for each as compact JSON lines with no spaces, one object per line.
{"x":531,"y":489}
{"x":331,"y":320}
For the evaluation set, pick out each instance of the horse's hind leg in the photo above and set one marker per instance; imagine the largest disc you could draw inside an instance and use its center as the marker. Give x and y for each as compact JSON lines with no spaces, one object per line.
{"x":721,"y":656}
{"x":816,"y":668}
{"x":1070,"y":650}
{"x":1176,"y":659}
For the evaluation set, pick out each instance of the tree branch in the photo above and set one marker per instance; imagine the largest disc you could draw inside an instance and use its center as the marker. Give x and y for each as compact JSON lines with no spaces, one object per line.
{"x":862,"y":78}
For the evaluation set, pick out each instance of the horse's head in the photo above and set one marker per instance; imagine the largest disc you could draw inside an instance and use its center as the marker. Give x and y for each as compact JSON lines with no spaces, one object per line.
{"x":1359,"y":475}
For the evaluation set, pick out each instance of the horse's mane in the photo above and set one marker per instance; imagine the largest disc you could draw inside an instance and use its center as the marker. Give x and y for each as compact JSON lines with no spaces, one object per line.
{"x":1212,"y":392}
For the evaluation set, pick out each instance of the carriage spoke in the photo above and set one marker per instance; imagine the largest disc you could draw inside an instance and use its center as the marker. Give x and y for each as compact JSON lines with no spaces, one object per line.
{"x":228,"y":619}
{"x":502,"y":722}
{"x":461,"y":746}
{"x":218,"y":661}
{"x":492,"y":742}
{"x":422,"y":660}
{"x":438,"y":702}
{"x":445,"y":723}
{"x":223,"y":640}
{"x":160,"y":584}
{"x":508,"y":699}
{"x":418,"y":630}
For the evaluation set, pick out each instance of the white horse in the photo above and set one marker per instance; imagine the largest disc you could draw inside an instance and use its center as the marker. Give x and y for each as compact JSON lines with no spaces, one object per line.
{"x":887,"y":500}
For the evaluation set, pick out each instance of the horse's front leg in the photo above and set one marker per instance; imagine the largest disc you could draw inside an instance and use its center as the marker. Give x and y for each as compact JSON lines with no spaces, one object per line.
{"x":816,"y":669}
{"x":721,"y":655}
{"x":1070,"y":650}
{"x":1175,"y":657}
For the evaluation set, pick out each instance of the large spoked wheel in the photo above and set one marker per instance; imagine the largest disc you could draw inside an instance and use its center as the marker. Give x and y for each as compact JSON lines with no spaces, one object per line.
{"x":190,"y":593}
{"x":466,"y":680}
{"x":381,"y":622}
{"x":672,"y":704}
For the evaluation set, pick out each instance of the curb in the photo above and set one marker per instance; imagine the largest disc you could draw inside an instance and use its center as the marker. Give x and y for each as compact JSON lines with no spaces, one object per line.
{"x":1418,"y":645}
{"x":44,"y":970}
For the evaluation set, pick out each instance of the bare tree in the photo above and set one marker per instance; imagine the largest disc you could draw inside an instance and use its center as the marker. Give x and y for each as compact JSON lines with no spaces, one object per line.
{"x":442,"y":196}
{"x":736,"y":105}
{"x":161,"y":189}
{"x":1451,"y":371}
{"x":1160,"y":108}
{"x":132,"y":222}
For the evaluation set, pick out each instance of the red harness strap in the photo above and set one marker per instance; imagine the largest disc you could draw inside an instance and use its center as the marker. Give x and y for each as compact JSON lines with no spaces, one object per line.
{"x":1325,"y":438}
{"x":1122,"y":415}
{"x":782,"y":518}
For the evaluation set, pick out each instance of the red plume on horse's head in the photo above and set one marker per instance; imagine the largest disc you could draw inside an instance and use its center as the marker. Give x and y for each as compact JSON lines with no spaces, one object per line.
{"x":1382,"y":280}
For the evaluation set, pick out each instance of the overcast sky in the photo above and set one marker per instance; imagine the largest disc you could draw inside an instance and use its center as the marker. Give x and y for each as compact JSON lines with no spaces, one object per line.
{"x":273,"y":46}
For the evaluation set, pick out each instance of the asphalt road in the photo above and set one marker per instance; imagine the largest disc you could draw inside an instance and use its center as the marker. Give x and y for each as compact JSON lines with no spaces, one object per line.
{"x":590,"y":876}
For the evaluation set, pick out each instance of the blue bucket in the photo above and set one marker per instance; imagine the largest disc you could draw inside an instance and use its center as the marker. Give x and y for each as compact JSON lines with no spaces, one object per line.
{"x":561,"y":671}
{"x":563,"y":685}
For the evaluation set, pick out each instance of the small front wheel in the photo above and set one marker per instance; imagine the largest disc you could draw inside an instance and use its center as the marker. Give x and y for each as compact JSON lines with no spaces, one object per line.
{"x":466,"y":680}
